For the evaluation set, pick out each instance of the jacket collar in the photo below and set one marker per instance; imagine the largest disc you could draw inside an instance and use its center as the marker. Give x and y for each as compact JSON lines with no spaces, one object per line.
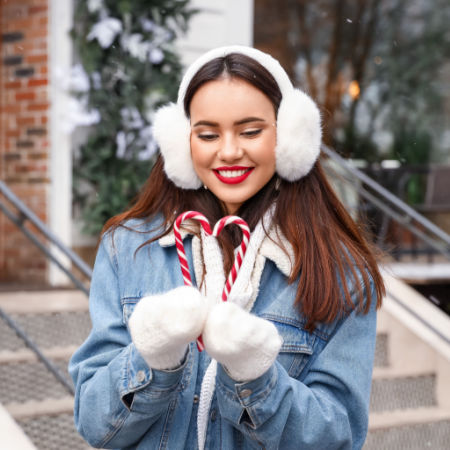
{"x":271,"y":248}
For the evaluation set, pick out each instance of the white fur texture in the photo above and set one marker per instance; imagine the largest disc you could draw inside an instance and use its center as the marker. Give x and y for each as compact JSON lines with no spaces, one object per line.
{"x":172,"y":131}
{"x":162,"y":326}
{"x":266,"y":60}
{"x":245,"y":344}
{"x":298,"y":135}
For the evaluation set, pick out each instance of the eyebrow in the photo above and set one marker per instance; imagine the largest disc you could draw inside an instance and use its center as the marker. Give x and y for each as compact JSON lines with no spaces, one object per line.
{"x":238,"y":122}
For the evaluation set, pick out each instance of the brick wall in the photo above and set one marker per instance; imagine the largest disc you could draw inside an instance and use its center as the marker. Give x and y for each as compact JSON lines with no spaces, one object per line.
{"x":24,"y":144}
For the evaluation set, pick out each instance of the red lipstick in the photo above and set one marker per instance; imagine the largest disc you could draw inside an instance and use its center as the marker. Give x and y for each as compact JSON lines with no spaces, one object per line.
{"x":233,"y":179}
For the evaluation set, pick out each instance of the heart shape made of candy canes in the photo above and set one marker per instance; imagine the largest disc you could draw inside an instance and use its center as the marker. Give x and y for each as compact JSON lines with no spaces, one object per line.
{"x":220,"y":225}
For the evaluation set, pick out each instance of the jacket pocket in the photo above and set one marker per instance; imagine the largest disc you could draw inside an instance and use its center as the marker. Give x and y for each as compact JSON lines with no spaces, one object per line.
{"x":128,"y":305}
{"x":297,"y":348}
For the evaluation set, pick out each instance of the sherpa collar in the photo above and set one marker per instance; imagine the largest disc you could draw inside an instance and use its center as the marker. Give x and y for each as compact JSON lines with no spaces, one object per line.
{"x":269,"y":248}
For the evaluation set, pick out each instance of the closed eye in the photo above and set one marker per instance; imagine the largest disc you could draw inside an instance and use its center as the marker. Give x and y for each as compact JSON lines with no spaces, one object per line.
{"x":251,"y":133}
{"x":207,"y":136}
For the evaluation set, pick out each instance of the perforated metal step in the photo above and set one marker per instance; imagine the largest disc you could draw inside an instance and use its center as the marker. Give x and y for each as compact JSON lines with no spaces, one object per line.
{"x":21,"y":382}
{"x":434,"y":436}
{"x":381,"y":351}
{"x":400,"y":393}
{"x":55,"y":329}
{"x":53,"y":433}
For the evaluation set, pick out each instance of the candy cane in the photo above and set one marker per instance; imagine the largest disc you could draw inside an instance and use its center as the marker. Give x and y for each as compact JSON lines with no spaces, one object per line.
{"x":241,"y":252}
{"x":179,"y":241}
{"x":239,"y":258}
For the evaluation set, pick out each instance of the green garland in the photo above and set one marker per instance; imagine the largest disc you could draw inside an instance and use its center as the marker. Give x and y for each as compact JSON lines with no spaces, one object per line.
{"x":126,"y":48}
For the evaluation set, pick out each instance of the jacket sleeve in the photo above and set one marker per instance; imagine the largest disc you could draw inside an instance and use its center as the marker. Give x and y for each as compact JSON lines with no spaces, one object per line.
{"x":118,"y":397}
{"x":328,"y":409}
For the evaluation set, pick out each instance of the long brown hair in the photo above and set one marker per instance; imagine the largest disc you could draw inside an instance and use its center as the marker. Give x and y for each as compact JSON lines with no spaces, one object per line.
{"x":328,"y":245}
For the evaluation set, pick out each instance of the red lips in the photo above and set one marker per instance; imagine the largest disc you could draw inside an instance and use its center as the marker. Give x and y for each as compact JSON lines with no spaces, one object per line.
{"x":233,"y":179}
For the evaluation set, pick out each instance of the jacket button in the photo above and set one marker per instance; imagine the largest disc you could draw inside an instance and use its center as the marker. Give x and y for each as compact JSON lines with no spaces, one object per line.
{"x":140,"y":376}
{"x":246,"y":393}
{"x":213,"y":415}
{"x":196,"y":398}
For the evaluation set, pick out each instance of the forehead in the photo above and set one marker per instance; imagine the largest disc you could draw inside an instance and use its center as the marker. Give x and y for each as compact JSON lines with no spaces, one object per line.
{"x":230,"y":99}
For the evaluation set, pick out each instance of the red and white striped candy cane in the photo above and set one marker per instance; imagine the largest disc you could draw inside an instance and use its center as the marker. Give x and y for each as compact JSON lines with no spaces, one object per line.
{"x":179,"y":241}
{"x":217,"y":230}
{"x":241,"y":252}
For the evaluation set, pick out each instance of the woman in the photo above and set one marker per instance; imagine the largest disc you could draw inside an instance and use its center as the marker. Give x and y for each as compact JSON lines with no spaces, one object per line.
{"x":288,"y":358}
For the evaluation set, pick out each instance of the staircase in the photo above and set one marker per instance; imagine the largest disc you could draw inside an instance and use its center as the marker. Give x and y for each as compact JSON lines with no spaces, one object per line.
{"x":410,"y":403}
{"x":58,"y":322}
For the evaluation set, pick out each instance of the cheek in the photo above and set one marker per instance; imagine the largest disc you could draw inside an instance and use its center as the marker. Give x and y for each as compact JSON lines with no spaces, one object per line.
{"x":267,"y":150}
{"x":199,"y":155}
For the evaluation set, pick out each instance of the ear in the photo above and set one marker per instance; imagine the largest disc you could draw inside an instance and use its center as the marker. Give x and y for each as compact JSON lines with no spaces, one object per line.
{"x":299,"y":135}
{"x":172,"y":132}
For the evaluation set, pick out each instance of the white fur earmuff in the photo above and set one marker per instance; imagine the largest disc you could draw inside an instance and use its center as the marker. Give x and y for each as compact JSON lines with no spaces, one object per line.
{"x":298,"y":124}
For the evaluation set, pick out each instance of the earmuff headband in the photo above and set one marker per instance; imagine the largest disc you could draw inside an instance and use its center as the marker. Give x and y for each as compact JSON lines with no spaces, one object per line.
{"x":298,"y":124}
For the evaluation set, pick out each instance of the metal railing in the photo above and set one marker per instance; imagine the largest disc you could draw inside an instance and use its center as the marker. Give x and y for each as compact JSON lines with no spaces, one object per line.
{"x":393,"y":208}
{"x":23,"y":215}
{"x":20,"y":217}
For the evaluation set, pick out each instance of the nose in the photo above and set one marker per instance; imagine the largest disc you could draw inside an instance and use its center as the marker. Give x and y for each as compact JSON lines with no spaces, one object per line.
{"x":230,"y":149}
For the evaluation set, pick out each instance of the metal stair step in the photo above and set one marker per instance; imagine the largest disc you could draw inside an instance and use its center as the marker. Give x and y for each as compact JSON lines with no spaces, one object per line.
{"x":402,"y":392}
{"x":27,"y":355}
{"x":33,"y":408}
{"x":410,"y":429}
{"x":381,"y":351}
{"x":25,"y":381}
{"x":53,"y":432}
{"x":47,"y":330}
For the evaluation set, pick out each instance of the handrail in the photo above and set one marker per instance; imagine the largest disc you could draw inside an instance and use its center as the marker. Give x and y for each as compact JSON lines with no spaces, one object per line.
{"x":410,"y":214}
{"x":26,"y":214}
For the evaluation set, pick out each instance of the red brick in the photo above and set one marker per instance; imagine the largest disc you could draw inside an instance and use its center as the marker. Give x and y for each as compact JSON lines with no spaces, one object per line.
{"x":36,"y":59}
{"x":37,"y":82}
{"x":27,"y":95}
{"x":30,"y":45}
{"x":37,"y":9}
{"x":13,"y":109}
{"x":12,"y":133}
{"x":36,"y":33}
{"x":38,"y":107}
{"x":22,"y":47}
{"x":13,"y":85}
{"x":24,"y":23}
{"x":37,"y":2}
{"x":23,"y":121}
{"x":11,"y":11}
{"x":37,"y":156}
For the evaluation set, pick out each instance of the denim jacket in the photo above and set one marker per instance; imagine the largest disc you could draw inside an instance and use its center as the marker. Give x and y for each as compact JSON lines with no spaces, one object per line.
{"x":315,"y":396}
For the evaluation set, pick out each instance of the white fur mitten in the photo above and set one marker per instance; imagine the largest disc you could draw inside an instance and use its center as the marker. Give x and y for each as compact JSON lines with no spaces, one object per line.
{"x":245,"y":344}
{"x":162,"y":325}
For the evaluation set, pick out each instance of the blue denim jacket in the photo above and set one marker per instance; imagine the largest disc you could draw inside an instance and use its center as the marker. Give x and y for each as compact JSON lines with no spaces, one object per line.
{"x":315,"y":396}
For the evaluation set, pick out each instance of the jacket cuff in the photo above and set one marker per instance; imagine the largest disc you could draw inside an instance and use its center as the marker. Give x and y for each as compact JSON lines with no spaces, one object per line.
{"x":239,"y":401}
{"x":140,"y":380}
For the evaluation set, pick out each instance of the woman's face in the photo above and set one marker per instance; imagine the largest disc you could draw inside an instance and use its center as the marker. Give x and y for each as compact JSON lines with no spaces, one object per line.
{"x":233,"y":138}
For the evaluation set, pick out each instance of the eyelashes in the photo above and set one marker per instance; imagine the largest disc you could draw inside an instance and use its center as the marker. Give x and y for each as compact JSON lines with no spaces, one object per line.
{"x":252,"y":133}
{"x":208,"y":137}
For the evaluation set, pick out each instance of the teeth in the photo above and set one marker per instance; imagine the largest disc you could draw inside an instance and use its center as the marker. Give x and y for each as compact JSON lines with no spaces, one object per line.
{"x":232,"y":173}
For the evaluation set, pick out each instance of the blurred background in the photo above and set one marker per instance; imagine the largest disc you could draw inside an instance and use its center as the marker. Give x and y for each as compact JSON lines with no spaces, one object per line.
{"x":79,"y":84}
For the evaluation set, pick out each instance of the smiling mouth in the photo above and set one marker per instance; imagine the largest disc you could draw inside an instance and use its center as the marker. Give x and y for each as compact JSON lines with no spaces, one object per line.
{"x":232,"y":175}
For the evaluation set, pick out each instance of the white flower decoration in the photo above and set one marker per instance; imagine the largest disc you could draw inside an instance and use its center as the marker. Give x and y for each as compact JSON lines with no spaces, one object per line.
{"x":105,"y":31}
